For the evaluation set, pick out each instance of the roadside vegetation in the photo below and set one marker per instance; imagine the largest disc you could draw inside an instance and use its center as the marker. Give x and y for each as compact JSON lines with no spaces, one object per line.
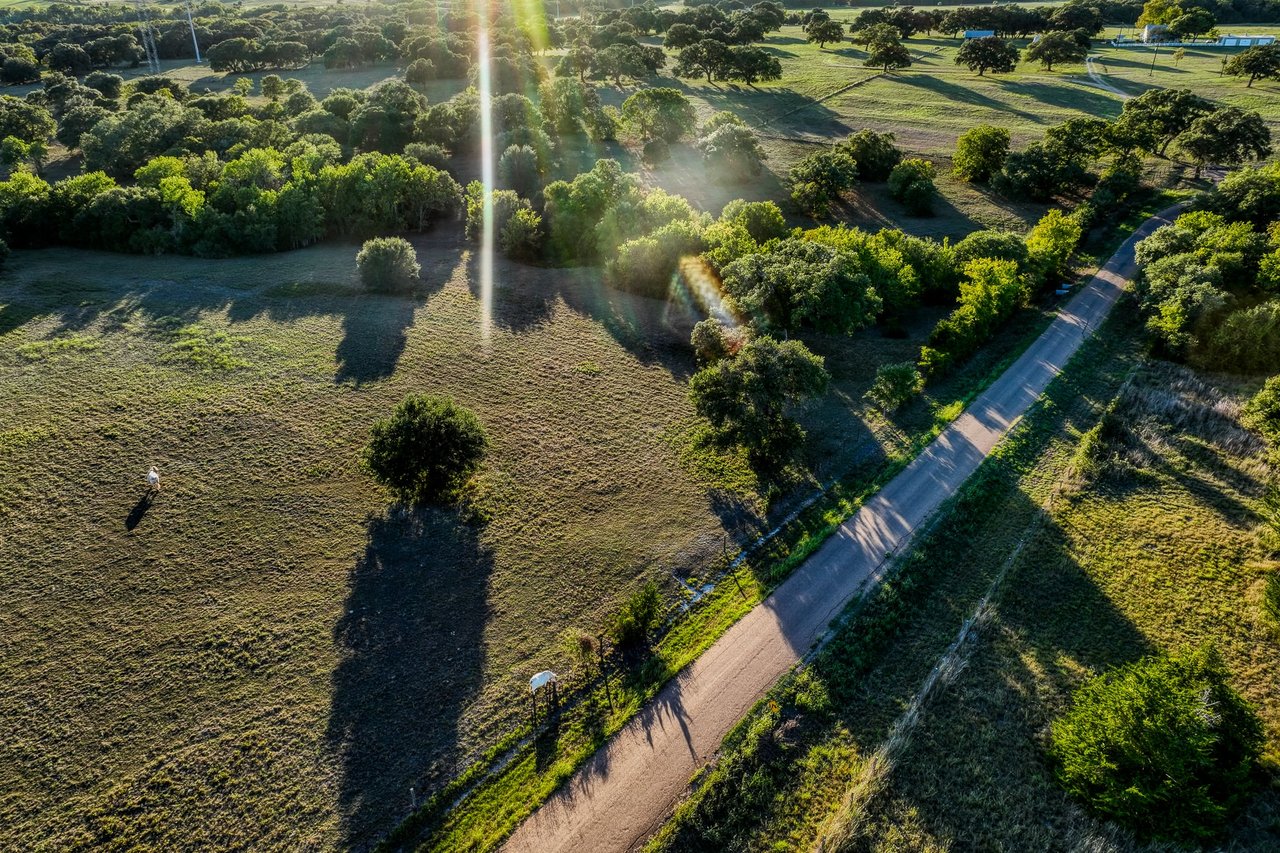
{"x":750,"y":260}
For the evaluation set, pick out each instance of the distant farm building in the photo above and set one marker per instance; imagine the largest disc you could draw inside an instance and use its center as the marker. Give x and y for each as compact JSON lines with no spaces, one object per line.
{"x":1245,"y":41}
{"x":978,"y":34}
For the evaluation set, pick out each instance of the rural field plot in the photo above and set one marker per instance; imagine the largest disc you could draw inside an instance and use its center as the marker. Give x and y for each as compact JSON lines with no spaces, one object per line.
{"x":1158,"y":554}
{"x":269,"y":632}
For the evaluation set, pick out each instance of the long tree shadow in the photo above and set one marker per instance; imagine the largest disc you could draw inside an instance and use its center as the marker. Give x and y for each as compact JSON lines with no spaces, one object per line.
{"x":964,"y":94}
{"x":374,"y":334}
{"x":412,"y":647}
{"x":376,"y":326}
{"x":984,"y":735}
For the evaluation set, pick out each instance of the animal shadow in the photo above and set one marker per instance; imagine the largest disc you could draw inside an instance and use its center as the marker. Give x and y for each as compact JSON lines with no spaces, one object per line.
{"x":139,"y":511}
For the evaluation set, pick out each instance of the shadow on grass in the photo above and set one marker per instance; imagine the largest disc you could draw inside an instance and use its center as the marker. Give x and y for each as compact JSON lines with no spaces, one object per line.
{"x":411,"y":641}
{"x":1065,"y":95}
{"x":964,"y":94}
{"x":651,"y":329}
{"x":139,"y":511}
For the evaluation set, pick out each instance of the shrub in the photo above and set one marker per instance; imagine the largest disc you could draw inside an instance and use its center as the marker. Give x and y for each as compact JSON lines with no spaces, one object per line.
{"x":1051,"y":243}
{"x":1001,"y":245}
{"x":1164,"y":745}
{"x":517,"y":227}
{"x":646,"y":264}
{"x":762,"y":219}
{"x":518,"y":169}
{"x":980,"y":153}
{"x":656,"y":151}
{"x":875,"y":154}
{"x":1271,"y":599}
{"x":894,"y":385}
{"x":1246,"y":341}
{"x":710,"y":343}
{"x":1262,"y":413}
{"x":632,"y":623}
{"x":427,"y":449}
{"x":989,"y":295}
{"x":745,"y":398}
{"x":521,"y":235}
{"x":1041,"y":171}
{"x":732,"y":153}
{"x":434,"y":156}
{"x":387,"y":263}
{"x":818,"y":179}
{"x":911,"y":182}
{"x":420,"y":71}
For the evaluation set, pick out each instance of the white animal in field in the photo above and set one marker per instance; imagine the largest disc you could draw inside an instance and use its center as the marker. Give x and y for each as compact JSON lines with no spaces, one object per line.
{"x":153,"y":479}
{"x":541,"y":680}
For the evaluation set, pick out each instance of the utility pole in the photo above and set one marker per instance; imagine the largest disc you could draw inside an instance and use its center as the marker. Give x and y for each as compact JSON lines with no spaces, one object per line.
{"x":148,"y":37}
{"x":1151,"y":72}
{"x":195,"y":42}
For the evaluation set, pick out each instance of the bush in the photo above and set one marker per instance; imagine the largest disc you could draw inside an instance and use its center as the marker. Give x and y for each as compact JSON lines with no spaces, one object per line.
{"x":1001,"y":245}
{"x":631,"y":625}
{"x":987,"y":298}
{"x":745,"y":398}
{"x":518,"y":170}
{"x":1051,"y":244}
{"x":1262,"y":413}
{"x":817,"y":180}
{"x":656,"y":151}
{"x":1271,"y":599}
{"x":517,"y":227}
{"x":434,"y":156}
{"x":875,"y":154}
{"x":980,"y":153}
{"x":732,"y":153}
{"x":911,"y":182}
{"x":1246,"y":341}
{"x":388,"y":263}
{"x":1163,"y":745}
{"x":710,"y":343}
{"x":427,"y":449}
{"x":646,"y":265}
{"x":1041,"y":171}
{"x":895,"y":384}
{"x":521,"y":236}
{"x":762,"y":219}
{"x":420,"y":71}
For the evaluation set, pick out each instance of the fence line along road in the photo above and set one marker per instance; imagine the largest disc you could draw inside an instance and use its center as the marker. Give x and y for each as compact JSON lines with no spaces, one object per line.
{"x":627,"y":789}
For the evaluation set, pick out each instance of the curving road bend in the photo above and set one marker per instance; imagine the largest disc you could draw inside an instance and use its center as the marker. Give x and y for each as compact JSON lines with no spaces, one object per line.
{"x":626,"y":791}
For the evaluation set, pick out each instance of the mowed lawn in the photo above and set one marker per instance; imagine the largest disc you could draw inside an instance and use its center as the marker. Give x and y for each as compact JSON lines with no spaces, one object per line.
{"x":271,"y":651}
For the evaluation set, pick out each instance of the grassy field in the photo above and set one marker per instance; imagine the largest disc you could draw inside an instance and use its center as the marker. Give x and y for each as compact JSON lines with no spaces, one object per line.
{"x":270,"y":632}
{"x":270,"y":654}
{"x":1160,"y":555}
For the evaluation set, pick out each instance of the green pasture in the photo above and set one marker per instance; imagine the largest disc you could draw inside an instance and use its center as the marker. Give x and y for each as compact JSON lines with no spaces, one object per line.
{"x":270,"y":651}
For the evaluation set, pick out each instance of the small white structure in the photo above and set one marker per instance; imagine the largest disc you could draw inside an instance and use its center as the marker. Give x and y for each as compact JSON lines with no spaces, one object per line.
{"x":153,"y":479}
{"x":541,"y":680}
{"x":1245,"y":41}
{"x":978,"y":34}
{"x":1155,"y":34}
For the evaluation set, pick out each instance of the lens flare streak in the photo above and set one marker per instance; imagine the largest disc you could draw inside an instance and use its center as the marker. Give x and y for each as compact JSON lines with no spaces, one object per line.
{"x":486,"y":178}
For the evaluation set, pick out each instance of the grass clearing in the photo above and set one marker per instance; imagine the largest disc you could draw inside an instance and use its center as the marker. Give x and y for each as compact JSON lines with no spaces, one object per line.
{"x":268,"y":632}
{"x":1158,"y":558}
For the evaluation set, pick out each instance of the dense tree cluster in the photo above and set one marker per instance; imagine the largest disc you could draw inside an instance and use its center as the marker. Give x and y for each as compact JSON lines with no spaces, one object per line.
{"x":1210,"y":284}
{"x":1205,"y":134}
